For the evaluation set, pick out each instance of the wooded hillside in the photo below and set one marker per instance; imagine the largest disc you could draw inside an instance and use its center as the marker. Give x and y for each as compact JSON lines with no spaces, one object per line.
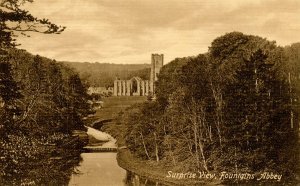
{"x":234,"y":108}
{"x":104,"y":74}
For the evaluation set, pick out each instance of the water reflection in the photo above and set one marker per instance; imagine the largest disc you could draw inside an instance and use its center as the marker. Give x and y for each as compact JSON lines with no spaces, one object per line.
{"x":136,"y":180}
{"x":102,"y":169}
{"x":98,"y":169}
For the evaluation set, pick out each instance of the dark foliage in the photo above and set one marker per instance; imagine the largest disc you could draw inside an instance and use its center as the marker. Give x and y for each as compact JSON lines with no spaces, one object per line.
{"x":104,"y":74}
{"x":233,"y":109}
{"x":41,"y":102}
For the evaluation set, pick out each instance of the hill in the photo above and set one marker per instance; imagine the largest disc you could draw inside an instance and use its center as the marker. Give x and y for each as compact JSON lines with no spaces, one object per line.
{"x":103,"y":74}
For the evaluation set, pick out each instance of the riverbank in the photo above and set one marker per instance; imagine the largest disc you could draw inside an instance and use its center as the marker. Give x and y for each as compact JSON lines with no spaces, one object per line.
{"x":150,"y":169}
{"x":95,"y":161}
{"x":155,"y":172}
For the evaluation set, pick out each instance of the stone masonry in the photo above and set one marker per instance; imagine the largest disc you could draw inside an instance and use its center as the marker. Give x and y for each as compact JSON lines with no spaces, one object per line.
{"x":137,"y":86}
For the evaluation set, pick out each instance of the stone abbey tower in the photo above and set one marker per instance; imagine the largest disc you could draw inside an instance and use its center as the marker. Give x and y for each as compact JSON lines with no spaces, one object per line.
{"x":136,"y":86}
{"x":157,"y":61}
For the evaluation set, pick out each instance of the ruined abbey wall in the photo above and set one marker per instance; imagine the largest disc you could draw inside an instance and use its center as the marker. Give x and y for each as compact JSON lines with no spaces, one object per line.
{"x":137,"y":86}
{"x":133,"y":87}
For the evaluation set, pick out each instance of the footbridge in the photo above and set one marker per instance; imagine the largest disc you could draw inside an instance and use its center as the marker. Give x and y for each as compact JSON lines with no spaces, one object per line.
{"x":90,"y":149}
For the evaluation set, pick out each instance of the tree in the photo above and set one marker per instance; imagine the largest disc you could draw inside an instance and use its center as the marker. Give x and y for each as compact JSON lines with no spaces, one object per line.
{"x":292,"y":57}
{"x":14,"y":19}
{"x":168,"y":79}
{"x":9,"y":93}
{"x":257,"y":107}
{"x":233,"y":102}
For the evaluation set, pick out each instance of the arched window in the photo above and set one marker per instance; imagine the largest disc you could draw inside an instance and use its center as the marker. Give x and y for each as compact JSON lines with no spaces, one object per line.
{"x":134,"y":86}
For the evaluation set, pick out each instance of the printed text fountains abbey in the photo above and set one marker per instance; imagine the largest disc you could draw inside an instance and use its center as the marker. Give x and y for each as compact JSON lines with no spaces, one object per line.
{"x":137,"y":86}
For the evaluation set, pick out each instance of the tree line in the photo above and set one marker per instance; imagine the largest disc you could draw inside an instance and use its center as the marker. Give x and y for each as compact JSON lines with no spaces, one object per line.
{"x":41,"y":103}
{"x":45,"y":103}
{"x":234,"y":108}
{"x":104,"y":74}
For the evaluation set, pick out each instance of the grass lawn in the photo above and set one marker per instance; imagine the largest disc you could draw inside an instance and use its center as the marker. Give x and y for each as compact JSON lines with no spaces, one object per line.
{"x":112,"y":106}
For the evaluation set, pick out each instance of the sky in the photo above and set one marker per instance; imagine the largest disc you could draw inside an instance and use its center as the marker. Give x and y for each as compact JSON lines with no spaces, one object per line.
{"x":129,"y":31}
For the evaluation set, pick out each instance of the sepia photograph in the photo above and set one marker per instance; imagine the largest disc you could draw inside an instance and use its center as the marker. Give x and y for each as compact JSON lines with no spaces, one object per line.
{"x":149,"y":92}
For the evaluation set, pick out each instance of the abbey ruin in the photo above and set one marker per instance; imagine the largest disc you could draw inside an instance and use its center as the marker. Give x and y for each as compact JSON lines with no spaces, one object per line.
{"x":136,"y":86}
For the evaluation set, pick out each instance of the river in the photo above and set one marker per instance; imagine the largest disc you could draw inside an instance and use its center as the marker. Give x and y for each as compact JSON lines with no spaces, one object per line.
{"x":98,"y":169}
{"x":101,"y":168}
{"x":56,"y":165}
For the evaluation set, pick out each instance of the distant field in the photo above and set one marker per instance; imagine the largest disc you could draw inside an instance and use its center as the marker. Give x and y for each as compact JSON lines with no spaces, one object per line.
{"x":113,"y":105}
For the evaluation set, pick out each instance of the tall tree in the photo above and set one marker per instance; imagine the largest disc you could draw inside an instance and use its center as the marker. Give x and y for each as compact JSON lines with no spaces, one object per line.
{"x":14,"y":19}
{"x":168,"y":79}
{"x":257,"y":103}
